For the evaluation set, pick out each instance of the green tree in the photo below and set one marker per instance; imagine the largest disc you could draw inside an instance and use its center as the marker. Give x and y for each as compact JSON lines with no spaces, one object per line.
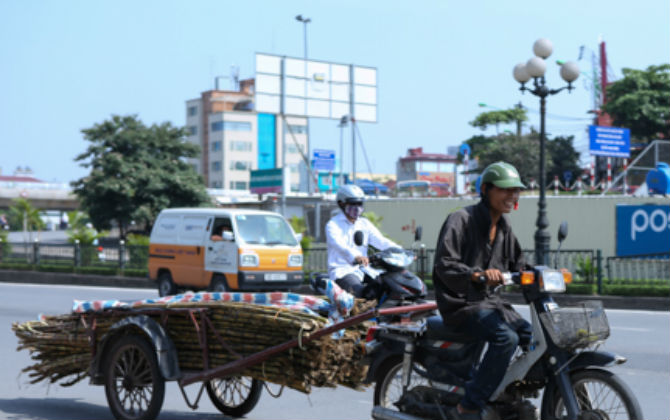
{"x":503,"y":116}
{"x":136,"y":171}
{"x":23,"y":216}
{"x":564,"y":158}
{"x":523,"y":153}
{"x":640,"y":101}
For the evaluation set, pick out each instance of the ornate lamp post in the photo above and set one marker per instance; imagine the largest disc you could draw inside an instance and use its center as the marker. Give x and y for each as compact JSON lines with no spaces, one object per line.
{"x":523,"y":72}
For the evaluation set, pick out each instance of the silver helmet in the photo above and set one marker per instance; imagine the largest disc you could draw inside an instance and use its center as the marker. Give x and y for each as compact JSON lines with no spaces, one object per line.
{"x":350,"y":194}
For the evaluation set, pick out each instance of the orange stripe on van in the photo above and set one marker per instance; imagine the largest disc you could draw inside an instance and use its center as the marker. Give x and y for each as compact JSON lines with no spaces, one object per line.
{"x":186,"y":263}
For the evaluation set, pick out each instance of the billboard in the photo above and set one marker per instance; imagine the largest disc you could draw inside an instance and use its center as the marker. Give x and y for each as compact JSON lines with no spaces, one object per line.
{"x":265,"y":181}
{"x":312,"y":88}
{"x":642,"y":229}
{"x":609,"y":141}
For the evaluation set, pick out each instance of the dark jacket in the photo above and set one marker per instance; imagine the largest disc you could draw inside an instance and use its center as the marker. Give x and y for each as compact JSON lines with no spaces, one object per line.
{"x":463,"y":248}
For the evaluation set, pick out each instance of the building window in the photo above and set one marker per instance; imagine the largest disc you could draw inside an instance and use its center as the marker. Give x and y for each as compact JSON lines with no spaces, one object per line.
{"x":292,"y":148}
{"x":216,"y":166}
{"x":238,"y":185}
{"x":192,"y":110}
{"x":297,"y":129}
{"x":239,"y":165}
{"x":231,"y":126}
{"x":192,"y":130}
{"x":240,"y":146}
{"x":216,"y":146}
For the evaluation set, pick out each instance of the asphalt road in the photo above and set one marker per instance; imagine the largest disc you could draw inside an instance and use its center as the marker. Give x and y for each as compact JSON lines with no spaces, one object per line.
{"x":643,"y":337}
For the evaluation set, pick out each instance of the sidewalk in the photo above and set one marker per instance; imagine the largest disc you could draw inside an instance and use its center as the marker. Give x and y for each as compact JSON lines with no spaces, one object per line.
{"x":37,"y":277}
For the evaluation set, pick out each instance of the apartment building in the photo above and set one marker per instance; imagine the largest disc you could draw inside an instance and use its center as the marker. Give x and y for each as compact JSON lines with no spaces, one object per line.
{"x":234,"y":139}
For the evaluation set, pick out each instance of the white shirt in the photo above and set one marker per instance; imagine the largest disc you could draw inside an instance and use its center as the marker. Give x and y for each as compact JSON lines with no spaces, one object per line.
{"x":341,"y":247}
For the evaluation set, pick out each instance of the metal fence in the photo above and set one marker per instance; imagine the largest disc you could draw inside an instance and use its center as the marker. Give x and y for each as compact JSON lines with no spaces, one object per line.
{"x":587,"y":265}
{"x":119,"y":256}
{"x":639,"y":268}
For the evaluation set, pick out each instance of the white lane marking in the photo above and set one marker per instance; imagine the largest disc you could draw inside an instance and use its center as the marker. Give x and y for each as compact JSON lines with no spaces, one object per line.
{"x":79,"y":287}
{"x":634,"y":329}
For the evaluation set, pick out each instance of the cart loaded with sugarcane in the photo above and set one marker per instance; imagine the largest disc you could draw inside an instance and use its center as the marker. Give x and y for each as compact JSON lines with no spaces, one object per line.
{"x":232,"y":344}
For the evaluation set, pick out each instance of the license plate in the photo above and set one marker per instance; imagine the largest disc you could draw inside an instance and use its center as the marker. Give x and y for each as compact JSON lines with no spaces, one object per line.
{"x":275,"y":276}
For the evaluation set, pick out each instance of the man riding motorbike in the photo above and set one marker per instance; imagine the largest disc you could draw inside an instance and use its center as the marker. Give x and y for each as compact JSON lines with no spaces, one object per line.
{"x":343,"y":253}
{"x":474,"y":247}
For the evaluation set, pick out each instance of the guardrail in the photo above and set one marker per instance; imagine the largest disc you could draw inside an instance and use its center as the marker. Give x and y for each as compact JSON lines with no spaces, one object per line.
{"x":585,"y":264}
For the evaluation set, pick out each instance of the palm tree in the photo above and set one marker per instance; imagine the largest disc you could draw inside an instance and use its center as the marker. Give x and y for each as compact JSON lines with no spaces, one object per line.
{"x":24,"y":214}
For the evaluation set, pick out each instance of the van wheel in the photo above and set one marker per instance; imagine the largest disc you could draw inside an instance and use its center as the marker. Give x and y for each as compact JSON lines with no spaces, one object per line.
{"x":218,"y":284}
{"x":166,"y":286}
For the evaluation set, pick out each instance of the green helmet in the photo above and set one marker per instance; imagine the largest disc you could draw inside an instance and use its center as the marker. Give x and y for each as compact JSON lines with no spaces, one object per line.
{"x":502,"y":175}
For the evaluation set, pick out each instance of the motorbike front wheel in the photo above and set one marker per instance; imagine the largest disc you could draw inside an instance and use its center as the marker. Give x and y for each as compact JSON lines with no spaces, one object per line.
{"x":388,"y":383}
{"x":601,"y":396}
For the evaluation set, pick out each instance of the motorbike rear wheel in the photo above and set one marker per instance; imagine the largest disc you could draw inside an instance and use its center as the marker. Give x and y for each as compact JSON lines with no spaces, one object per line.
{"x":601,"y":396}
{"x":388,"y":383}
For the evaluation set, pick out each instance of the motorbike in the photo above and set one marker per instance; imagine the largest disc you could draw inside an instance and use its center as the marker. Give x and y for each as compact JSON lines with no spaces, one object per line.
{"x":420,"y":368}
{"x":387,"y":278}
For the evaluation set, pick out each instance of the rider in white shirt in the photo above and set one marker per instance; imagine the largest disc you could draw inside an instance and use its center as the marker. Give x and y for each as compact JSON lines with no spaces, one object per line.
{"x":343,"y":254}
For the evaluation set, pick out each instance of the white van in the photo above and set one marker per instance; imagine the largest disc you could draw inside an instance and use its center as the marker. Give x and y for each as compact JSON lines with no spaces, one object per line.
{"x":223,"y":250}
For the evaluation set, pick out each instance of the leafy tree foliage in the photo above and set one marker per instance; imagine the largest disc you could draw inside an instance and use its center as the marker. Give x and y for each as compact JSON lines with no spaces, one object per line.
{"x":522,"y":152}
{"x":641,"y":102}
{"x":23,"y":216}
{"x":564,"y":158}
{"x":136,"y":171}
{"x":503,"y":116}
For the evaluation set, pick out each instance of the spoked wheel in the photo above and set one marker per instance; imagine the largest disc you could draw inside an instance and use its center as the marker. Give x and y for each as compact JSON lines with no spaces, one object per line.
{"x":133,"y":382}
{"x":388,"y":386}
{"x":234,"y":396}
{"x":601,"y":396}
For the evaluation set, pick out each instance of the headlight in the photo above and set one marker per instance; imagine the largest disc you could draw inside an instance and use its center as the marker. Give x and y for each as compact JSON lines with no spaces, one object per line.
{"x":248,"y":260}
{"x":398,"y":259}
{"x":552,"y":281}
{"x":295,"y":260}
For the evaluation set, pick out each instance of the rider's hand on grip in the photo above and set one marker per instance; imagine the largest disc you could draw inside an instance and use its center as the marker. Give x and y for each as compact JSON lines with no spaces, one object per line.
{"x":361,"y":260}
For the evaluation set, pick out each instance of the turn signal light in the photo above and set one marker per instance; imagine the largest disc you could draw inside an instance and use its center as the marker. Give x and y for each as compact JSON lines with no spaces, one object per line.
{"x":567,"y":276}
{"x":527,"y":277}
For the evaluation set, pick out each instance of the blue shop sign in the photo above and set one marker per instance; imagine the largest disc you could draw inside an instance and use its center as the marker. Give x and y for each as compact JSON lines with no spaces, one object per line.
{"x":609,"y":141}
{"x":642,"y":229}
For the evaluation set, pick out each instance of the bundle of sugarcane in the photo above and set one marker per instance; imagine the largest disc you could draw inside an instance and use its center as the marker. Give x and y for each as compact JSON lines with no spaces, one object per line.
{"x":60,"y":344}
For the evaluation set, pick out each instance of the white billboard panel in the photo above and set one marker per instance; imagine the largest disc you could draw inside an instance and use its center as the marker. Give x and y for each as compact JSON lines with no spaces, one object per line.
{"x":365,"y":94}
{"x":316,"y":108}
{"x":315,"y":88}
{"x":294,"y":67}
{"x":267,"y":103}
{"x":268,"y":64}
{"x":294,"y":106}
{"x":338,"y":109}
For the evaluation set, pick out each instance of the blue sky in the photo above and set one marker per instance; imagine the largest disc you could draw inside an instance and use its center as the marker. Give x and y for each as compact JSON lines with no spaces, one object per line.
{"x":65,"y":65}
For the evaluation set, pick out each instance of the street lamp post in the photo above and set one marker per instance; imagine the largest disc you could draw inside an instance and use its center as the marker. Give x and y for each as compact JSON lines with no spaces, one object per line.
{"x":305,"y":21}
{"x":523,"y":72}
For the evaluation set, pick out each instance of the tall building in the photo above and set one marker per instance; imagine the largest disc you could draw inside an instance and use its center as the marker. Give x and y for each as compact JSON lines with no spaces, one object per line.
{"x":234,"y":139}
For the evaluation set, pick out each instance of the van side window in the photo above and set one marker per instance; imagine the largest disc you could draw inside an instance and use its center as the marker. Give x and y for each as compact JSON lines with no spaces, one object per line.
{"x":221,"y":224}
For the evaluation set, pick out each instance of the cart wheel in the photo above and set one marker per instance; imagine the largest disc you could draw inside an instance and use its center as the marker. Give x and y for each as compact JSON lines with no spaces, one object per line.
{"x":133,"y":383}
{"x":235,"y":396}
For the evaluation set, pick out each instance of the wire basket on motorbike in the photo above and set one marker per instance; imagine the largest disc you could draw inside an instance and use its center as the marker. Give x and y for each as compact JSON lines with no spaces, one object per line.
{"x":577,"y":327}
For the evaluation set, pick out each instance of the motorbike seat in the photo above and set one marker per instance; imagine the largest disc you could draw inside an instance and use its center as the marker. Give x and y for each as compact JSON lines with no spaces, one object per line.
{"x":436,"y":330}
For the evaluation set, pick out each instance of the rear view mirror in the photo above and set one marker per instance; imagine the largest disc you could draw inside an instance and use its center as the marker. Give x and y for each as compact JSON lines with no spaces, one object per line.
{"x":228,"y":235}
{"x":563,"y":231}
{"x":358,"y":238}
{"x":417,"y":233}
{"x":298,"y":237}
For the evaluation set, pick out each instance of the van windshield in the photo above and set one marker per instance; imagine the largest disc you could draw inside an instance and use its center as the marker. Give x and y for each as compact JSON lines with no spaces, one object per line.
{"x":264,"y":229}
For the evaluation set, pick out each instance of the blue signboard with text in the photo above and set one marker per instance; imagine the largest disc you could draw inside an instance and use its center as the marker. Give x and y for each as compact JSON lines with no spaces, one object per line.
{"x":642,"y":229}
{"x":609,"y":141}
{"x":323,"y":160}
